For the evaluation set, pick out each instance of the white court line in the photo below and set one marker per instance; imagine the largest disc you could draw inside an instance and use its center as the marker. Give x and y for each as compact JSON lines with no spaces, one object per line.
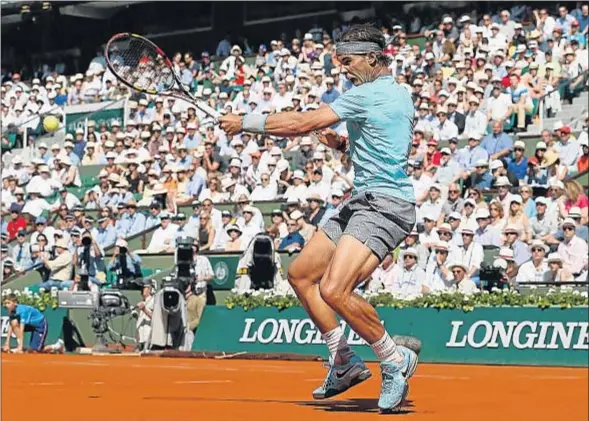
{"x":543,"y":377}
{"x":45,"y":384}
{"x":203,"y":381}
{"x":440,"y":377}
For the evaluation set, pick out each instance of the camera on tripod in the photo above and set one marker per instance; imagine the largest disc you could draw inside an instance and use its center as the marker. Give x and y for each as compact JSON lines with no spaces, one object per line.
{"x":176,"y":284}
{"x":128,"y":277}
{"x":492,"y":277}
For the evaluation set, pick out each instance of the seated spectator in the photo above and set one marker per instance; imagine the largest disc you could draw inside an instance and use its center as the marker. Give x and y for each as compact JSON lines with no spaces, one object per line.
{"x":573,"y":251}
{"x":449,"y":170}
{"x":556,"y":273}
{"x":234,"y":243}
{"x":432,"y":206}
{"x":7,"y":268}
{"x":384,"y":276}
{"x":519,"y":163}
{"x":21,"y":252}
{"x":163,"y":237}
{"x":472,"y":153}
{"x":542,"y":224}
{"x":316,"y":209}
{"x":528,"y":203}
{"x":412,"y":241}
{"x":206,"y":231}
{"x":486,"y":234}
{"x":125,"y":263}
{"x":410,"y":278}
{"x":534,"y":270}
{"x":481,"y":178}
{"x":517,"y":218}
{"x":470,"y":253}
{"x":462,"y":282}
{"x":265,"y":191}
{"x":438,"y":277}
{"x":575,"y":196}
{"x":520,"y":98}
{"x":17,"y":223}
{"x":88,"y":259}
{"x":454,"y":203}
{"x":512,"y":240}
{"x":294,"y":241}
{"x":60,"y":267}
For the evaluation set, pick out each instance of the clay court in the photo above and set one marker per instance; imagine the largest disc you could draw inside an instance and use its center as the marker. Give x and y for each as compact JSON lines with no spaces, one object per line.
{"x":125,"y":388}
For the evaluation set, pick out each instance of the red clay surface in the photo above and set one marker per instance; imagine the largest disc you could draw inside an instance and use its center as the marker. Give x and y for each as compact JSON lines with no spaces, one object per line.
{"x":121,"y":388}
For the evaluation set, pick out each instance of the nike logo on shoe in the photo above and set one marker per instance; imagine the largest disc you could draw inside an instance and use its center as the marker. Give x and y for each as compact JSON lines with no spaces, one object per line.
{"x":341,"y":373}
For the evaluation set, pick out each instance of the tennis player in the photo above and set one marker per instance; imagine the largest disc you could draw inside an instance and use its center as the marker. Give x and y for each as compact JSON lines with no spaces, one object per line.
{"x":372,"y":222}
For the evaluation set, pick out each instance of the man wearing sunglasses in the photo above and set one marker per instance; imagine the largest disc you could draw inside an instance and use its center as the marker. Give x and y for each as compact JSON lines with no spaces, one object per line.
{"x":438,"y":277}
{"x":410,"y":277}
{"x":573,"y":251}
{"x":534,"y":270}
{"x":462,"y":282}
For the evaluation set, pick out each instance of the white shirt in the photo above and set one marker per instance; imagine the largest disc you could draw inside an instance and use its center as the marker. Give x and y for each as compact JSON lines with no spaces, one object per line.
{"x":528,"y":272}
{"x":321,"y":188}
{"x":473,"y":256}
{"x":268,"y":192}
{"x":475,"y":123}
{"x":383,"y":279}
{"x":408,"y":283}
{"x":297,"y":193}
{"x":430,"y":209}
{"x":446,"y":130}
{"x":162,"y":238}
{"x":36,"y":207}
{"x":48,"y":232}
{"x":249,"y":231}
{"x":46,"y":187}
{"x":466,"y":286}
{"x":435,"y":280}
{"x":421,"y":185}
{"x":498,"y":106}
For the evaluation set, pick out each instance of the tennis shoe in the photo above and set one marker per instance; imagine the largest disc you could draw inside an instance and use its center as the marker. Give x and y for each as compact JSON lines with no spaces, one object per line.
{"x":342,"y":377}
{"x":394,"y":387}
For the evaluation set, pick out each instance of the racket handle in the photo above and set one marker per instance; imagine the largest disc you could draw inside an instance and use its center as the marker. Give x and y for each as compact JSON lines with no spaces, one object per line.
{"x":208,"y":110}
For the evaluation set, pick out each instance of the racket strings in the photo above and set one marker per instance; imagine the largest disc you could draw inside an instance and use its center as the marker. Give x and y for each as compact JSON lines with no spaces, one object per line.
{"x":140,"y":65}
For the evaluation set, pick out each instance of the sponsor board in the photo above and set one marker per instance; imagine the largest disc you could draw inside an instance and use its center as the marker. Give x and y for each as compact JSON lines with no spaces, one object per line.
{"x":526,"y":336}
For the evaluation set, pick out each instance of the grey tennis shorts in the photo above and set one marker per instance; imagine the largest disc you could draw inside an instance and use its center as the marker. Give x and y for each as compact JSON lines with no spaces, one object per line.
{"x":379,"y":221}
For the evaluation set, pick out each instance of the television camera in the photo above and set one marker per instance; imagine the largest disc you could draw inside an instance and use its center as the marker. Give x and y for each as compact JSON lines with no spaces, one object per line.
{"x":182,"y":277}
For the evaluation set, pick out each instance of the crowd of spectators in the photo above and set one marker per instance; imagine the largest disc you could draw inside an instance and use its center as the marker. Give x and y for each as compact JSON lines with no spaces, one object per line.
{"x":475,"y":81}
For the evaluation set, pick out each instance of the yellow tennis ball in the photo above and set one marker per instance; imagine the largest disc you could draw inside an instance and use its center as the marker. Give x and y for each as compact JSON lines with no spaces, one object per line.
{"x":50,"y":123}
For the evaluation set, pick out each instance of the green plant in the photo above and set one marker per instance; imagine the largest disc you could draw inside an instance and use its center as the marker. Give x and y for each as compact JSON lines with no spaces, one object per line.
{"x":42,"y":301}
{"x":563,"y":297}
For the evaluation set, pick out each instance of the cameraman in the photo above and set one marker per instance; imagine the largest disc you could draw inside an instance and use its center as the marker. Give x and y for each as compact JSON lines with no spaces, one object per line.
{"x":196,"y":293}
{"x":88,"y":262}
{"x":125,"y":263}
{"x":145,"y":308}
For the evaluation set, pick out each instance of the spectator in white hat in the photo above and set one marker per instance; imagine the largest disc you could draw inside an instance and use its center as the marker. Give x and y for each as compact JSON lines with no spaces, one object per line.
{"x":445,"y":128}
{"x":573,"y":251}
{"x":461,"y":281}
{"x":472,"y":153}
{"x":486,"y":234}
{"x":432,"y":206}
{"x":163,"y":237}
{"x":516,"y":217}
{"x":470,"y":253}
{"x":410,"y":278}
{"x":475,"y":120}
{"x":266,"y":190}
{"x":541,"y":224}
{"x":449,"y":170}
{"x":298,"y":191}
{"x":513,"y":241}
{"x":535,"y":269}
{"x":438,"y":277}
{"x":556,"y":273}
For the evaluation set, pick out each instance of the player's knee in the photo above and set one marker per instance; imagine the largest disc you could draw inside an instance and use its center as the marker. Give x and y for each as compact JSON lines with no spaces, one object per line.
{"x":14,"y":323}
{"x":296,"y":276}
{"x":332,"y":293}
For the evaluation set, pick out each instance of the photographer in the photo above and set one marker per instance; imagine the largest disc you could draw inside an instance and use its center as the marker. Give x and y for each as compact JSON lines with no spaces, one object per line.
{"x":88,"y":262}
{"x":125,"y":263}
{"x":145,"y":311}
{"x":196,"y":293}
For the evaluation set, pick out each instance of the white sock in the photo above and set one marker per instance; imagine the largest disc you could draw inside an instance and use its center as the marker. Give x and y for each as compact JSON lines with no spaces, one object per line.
{"x":386,"y":349}
{"x":338,"y":346}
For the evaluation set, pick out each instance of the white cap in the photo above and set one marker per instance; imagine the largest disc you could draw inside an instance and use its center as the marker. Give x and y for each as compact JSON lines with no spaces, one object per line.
{"x":295,"y":215}
{"x":121,"y":243}
{"x":482,"y":213}
{"x":497,"y":163}
{"x":517,"y":198}
{"x":502,"y":181}
{"x":318,"y":155}
{"x":519,"y":144}
{"x":298,"y":174}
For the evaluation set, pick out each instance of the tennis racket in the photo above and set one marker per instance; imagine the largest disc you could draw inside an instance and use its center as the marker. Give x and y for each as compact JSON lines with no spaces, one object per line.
{"x":143,"y":66}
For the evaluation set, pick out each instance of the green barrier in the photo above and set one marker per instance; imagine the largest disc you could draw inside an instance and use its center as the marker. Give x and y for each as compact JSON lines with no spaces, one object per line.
{"x":503,"y":335}
{"x":224,"y":266}
{"x":76,"y":115}
{"x":54,"y":322}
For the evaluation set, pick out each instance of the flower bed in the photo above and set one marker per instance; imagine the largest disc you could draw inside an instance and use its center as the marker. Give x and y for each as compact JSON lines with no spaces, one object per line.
{"x":43,"y":301}
{"x":563,"y":297}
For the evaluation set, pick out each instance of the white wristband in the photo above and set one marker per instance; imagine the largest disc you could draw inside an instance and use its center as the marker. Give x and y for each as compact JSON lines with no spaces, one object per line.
{"x":254,"y":123}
